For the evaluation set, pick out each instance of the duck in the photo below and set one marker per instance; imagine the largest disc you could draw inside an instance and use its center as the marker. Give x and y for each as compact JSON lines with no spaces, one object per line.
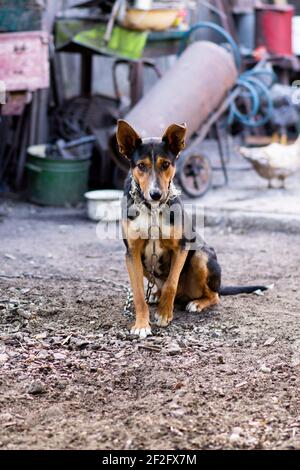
{"x":275,"y":161}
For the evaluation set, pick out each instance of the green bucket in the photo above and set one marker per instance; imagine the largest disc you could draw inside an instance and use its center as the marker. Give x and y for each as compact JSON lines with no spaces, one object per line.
{"x":55,"y":182}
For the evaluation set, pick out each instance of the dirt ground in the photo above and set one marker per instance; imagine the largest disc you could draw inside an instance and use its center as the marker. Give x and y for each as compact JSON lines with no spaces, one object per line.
{"x":73,"y":378}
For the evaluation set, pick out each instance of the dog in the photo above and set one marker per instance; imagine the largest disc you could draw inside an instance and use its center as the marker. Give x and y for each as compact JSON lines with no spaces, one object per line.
{"x":178,"y":266}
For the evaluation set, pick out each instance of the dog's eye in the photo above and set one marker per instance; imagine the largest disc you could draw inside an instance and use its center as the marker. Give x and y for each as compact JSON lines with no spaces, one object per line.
{"x":165,"y":165}
{"x":142,"y":167}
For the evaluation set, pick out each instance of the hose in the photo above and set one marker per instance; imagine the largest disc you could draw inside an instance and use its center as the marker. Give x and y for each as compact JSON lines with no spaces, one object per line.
{"x":219,"y":30}
{"x":259,"y":94}
{"x":255,"y":89}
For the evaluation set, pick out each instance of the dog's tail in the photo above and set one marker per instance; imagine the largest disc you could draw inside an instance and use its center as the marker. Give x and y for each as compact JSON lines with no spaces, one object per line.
{"x":236,"y":290}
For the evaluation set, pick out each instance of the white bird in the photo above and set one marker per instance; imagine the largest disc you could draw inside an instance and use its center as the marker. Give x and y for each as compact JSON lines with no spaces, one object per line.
{"x":275,"y":161}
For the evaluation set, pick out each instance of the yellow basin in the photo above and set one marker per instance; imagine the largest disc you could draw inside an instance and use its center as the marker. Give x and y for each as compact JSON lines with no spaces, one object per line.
{"x":156,"y":20}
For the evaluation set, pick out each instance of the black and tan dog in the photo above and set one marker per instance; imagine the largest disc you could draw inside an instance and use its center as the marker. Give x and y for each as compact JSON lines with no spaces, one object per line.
{"x":179,"y":272}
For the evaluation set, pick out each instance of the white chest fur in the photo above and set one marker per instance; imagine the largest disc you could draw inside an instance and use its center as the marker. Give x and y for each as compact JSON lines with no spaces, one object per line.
{"x":146,"y":223}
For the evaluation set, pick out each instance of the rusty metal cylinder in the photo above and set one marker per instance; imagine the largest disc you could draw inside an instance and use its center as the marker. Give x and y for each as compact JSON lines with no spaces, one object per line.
{"x":188,"y":92}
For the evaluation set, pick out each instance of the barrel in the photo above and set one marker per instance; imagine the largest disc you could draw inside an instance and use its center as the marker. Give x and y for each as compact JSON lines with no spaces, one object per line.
{"x":189,"y":91}
{"x":274,"y":29}
{"x":53,"y":182}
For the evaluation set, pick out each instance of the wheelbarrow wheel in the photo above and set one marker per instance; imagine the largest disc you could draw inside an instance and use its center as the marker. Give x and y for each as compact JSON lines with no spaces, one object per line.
{"x":194,"y":173}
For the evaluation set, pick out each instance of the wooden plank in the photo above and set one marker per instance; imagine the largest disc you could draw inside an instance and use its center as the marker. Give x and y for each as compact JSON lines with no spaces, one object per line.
{"x":24,"y":60}
{"x":22,"y":147}
{"x":42,"y":125}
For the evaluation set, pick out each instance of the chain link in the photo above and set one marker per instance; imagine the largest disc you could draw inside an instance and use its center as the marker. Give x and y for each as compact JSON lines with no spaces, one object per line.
{"x":128,"y":306}
{"x":127,"y":311}
{"x":154,"y":234}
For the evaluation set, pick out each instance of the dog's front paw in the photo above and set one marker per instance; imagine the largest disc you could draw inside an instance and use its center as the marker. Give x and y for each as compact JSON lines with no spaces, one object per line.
{"x":142,"y":331}
{"x":163,"y":320}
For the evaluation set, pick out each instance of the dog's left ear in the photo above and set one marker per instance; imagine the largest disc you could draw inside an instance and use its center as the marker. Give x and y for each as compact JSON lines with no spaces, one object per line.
{"x":175,"y":138}
{"x":128,"y":140}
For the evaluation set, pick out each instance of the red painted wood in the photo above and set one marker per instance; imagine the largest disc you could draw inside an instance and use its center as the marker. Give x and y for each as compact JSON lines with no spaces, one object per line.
{"x":24,"y":60}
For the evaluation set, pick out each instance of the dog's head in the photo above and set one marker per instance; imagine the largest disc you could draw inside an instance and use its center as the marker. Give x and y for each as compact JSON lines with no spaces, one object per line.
{"x":152,"y":161}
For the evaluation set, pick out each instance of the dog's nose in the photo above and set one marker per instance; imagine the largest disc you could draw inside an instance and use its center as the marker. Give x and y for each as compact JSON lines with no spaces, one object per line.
{"x":155,"y":194}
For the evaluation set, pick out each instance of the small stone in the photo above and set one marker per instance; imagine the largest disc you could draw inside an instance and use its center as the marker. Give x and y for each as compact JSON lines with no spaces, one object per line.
{"x":269,"y":341}
{"x":8,"y":256}
{"x":173,"y":349}
{"x":121,"y":335}
{"x":3,"y":358}
{"x":119,"y":355}
{"x":241,"y":384}
{"x":95,"y":346}
{"x":221,"y":359}
{"x":64,"y":228}
{"x":23,"y":313}
{"x":295,"y":362}
{"x":43,"y":354}
{"x":216,"y":334}
{"x":81,"y":344}
{"x":61,"y":384}
{"x":25,"y":290}
{"x":59,"y":356}
{"x":84,"y":354}
{"x":235,"y":436}
{"x":265,"y":369}
{"x":41,"y":335}
{"x":36,"y":388}
{"x":237,"y":430}
{"x":13,"y":354}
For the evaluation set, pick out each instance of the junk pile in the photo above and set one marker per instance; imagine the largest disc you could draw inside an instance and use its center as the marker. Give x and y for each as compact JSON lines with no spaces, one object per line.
{"x":216,"y":88}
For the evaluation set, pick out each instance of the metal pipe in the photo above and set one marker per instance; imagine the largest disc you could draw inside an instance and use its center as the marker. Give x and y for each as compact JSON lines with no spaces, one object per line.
{"x":189,"y":91}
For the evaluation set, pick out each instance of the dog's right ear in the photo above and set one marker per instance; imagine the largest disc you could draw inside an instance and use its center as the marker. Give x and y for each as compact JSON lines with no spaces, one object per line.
{"x":174,"y":137}
{"x":128,"y":140}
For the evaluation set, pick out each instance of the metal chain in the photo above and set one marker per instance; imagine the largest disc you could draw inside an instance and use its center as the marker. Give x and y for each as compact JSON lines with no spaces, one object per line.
{"x":127,"y":311}
{"x":154,"y":257}
{"x":128,"y":307}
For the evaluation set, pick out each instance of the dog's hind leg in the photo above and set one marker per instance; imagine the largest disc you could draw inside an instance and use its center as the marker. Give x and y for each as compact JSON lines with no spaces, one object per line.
{"x":203,"y":281}
{"x":209,"y":300}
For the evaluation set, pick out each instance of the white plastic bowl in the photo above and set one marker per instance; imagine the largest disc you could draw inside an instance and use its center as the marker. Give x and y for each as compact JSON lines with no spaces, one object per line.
{"x":104,"y":205}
